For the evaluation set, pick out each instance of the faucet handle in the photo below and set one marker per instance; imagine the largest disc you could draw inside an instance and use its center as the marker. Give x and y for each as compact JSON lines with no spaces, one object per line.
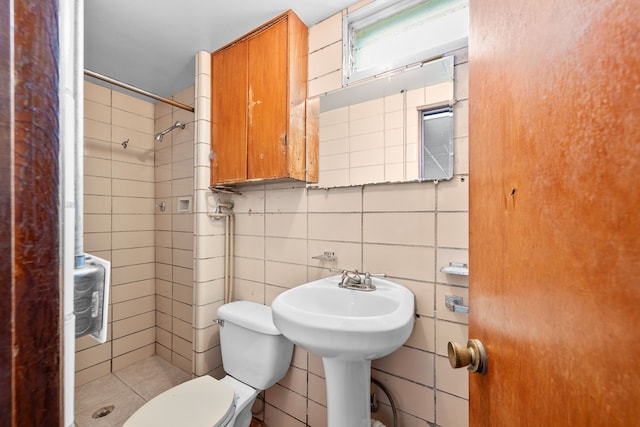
{"x":367,"y":279}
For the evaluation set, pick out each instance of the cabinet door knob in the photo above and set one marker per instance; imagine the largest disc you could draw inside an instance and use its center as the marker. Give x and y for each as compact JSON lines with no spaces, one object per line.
{"x":473,"y":356}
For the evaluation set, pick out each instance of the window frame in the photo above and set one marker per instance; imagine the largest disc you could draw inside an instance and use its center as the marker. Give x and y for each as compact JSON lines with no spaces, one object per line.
{"x":380,"y":10}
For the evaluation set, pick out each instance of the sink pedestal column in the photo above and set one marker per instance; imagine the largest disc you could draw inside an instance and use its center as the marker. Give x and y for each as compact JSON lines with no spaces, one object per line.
{"x":348,"y":392}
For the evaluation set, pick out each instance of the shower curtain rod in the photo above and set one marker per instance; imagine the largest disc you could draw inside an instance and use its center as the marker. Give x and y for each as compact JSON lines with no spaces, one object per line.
{"x":136,"y":90}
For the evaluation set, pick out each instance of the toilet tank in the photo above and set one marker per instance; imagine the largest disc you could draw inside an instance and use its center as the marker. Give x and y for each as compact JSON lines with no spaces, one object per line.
{"x":253,"y":349}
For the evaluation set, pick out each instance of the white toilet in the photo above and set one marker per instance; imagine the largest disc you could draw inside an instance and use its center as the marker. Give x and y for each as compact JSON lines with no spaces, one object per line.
{"x":255,"y":356}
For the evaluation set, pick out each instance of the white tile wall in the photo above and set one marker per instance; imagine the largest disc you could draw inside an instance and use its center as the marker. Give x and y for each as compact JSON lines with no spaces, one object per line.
{"x":407,"y":230}
{"x":118,"y":225}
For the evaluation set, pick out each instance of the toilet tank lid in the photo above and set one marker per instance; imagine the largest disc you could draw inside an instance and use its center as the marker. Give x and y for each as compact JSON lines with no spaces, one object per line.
{"x":249,"y":315}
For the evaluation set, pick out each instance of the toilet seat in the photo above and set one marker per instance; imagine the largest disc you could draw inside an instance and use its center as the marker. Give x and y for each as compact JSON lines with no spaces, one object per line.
{"x":202,"y":401}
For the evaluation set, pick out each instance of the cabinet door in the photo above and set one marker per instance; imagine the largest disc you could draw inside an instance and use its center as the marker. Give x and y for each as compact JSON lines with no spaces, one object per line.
{"x":267,"y":103}
{"x":229,"y":114}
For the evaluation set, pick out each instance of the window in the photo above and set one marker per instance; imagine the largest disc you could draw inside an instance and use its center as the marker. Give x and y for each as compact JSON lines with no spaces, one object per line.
{"x":436,"y":143}
{"x":386,"y":35}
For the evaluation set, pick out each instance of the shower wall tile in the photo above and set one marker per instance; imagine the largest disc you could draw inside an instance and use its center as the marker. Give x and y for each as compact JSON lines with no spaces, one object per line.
{"x":181,"y":346}
{"x":97,"y":223}
{"x":131,"y":273}
{"x":132,"y":104}
{"x":97,"y":111}
{"x":128,"y":188}
{"x":129,"y":120}
{"x":182,"y":222}
{"x":186,"y":97}
{"x":183,"y":293}
{"x":97,"y":167}
{"x":182,"y":240}
{"x":97,"y":242}
{"x":164,"y":305}
{"x":92,"y":356}
{"x":130,"y":308}
{"x":139,"y":144}
{"x":133,"y":172}
{"x":98,"y":130}
{"x":98,"y":149}
{"x":133,"y":356}
{"x":133,"y":341}
{"x":133,"y":205}
{"x":96,"y":93}
{"x":163,"y":288}
{"x":133,"y":324}
{"x":132,"y":222}
{"x":122,"y":293}
{"x":92,"y":373}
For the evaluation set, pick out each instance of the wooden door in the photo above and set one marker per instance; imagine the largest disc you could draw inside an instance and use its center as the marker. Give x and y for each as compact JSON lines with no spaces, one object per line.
{"x":30,"y":284}
{"x":229,"y":114}
{"x":268,"y":81}
{"x":554,"y":212}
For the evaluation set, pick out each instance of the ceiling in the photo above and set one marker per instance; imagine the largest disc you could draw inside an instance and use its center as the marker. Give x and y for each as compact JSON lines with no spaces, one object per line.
{"x":151,"y":44}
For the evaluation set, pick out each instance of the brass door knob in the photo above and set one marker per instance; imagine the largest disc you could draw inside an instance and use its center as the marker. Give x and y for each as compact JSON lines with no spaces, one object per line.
{"x":473,"y":356}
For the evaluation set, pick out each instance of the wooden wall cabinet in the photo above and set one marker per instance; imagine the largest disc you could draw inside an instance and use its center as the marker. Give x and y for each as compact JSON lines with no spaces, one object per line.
{"x":261,"y":125}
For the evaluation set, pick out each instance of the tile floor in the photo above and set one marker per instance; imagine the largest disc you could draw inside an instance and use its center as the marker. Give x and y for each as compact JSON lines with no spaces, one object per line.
{"x":127,"y":390}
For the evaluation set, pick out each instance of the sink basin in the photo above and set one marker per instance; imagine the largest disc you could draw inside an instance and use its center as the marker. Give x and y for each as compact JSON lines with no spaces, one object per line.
{"x":348,"y":328}
{"x":350,"y":324}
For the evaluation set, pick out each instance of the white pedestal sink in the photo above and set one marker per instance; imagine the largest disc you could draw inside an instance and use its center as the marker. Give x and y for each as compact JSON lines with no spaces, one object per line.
{"x":348,"y":328}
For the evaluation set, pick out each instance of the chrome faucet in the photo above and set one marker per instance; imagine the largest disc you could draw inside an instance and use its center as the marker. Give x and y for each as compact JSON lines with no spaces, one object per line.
{"x":354,"y":280}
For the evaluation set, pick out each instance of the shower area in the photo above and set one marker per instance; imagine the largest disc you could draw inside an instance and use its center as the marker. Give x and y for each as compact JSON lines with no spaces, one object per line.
{"x":140,"y":182}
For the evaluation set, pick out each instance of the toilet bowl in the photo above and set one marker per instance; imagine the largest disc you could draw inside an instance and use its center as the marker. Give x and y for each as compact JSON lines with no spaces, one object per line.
{"x":255,"y":356}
